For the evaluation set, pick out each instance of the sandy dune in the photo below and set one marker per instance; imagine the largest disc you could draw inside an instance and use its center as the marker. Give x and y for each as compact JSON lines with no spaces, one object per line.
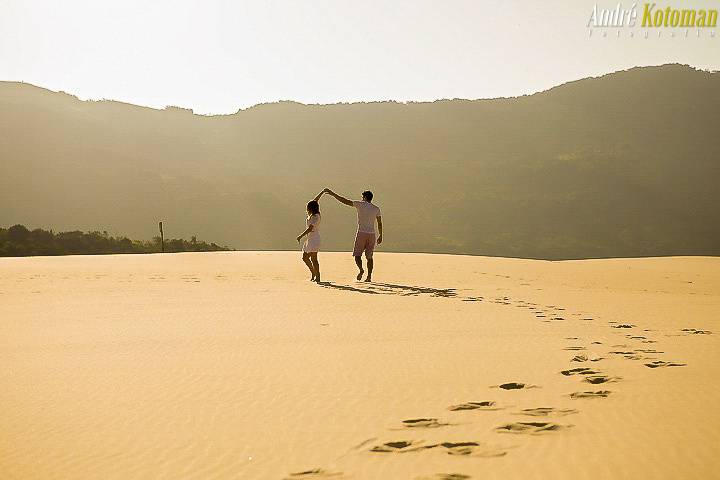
{"x":233,"y":365}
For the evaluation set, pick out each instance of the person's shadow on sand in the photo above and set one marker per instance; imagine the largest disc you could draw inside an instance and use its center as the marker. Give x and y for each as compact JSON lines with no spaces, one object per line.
{"x":412,"y":290}
{"x":349,"y":288}
{"x":393,"y":289}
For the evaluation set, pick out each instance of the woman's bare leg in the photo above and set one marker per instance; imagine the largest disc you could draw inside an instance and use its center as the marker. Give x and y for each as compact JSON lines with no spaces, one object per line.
{"x":316,"y":264}
{"x":306,"y":259}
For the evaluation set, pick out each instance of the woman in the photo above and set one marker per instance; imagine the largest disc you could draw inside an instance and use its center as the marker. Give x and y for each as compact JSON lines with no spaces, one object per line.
{"x":312,"y":242}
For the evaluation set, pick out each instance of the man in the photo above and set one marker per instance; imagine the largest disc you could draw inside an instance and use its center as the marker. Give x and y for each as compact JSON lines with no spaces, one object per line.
{"x":367,"y":214}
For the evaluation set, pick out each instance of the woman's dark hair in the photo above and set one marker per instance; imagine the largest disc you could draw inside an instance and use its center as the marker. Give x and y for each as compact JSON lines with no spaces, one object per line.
{"x":313,"y":207}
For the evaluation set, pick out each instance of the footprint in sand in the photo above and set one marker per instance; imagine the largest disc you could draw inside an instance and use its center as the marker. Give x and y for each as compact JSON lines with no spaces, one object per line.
{"x":623,"y":325}
{"x":661,"y":364}
{"x":584,"y":358}
{"x":598,"y":379}
{"x":574,"y":348}
{"x":472,"y":299}
{"x":485,"y":405}
{"x":423,"y":423}
{"x":545,"y":411}
{"x":475,"y":449}
{"x":628,"y":355}
{"x":446,"y":476}
{"x":514,"y":386}
{"x":531,"y":428}
{"x":693,"y":331}
{"x":597,"y":394}
{"x":401,"y":446}
{"x":579,"y":371}
{"x":314,"y":473}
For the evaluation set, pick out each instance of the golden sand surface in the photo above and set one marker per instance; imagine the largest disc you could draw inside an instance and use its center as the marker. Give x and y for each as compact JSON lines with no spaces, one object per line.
{"x":232,"y":365}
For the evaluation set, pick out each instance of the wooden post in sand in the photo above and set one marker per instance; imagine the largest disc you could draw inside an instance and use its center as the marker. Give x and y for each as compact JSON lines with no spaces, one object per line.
{"x":162,"y":239}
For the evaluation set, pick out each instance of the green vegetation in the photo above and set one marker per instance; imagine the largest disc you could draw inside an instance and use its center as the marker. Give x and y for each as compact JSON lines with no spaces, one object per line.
{"x":18,"y":241}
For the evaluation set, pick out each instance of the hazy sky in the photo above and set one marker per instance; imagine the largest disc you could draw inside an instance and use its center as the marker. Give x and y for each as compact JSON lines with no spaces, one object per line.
{"x":217,"y":56}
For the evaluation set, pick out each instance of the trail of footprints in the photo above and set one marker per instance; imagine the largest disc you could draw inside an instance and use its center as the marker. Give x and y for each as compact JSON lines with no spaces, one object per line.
{"x":476,"y":448}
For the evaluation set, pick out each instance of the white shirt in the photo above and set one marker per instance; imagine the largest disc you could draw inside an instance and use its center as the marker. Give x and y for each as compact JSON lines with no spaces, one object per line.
{"x":366,"y":213}
{"x":313,"y":220}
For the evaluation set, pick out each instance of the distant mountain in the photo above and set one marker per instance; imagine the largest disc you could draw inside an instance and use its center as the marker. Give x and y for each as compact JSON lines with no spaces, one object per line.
{"x":627,"y":164}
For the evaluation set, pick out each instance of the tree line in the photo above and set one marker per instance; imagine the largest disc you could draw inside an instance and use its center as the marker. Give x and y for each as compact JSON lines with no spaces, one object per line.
{"x":19,"y":241}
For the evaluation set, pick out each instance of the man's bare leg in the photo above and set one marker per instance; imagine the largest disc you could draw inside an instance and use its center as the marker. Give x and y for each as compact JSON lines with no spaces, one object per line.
{"x":316,"y":264}
{"x":370,"y":267}
{"x":306,"y":259}
{"x":358,"y":262}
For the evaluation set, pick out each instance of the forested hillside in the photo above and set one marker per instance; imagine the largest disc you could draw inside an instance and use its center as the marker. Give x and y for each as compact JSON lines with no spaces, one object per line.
{"x":623,"y":165}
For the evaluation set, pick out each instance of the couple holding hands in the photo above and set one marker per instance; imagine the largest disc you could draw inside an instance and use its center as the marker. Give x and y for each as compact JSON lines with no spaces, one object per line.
{"x":367,"y":214}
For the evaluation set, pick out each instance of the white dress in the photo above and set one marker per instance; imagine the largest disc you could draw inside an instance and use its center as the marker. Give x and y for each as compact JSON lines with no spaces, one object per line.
{"x":312,"y":241}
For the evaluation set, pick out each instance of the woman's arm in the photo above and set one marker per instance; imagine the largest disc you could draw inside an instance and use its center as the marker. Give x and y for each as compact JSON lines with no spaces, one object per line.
{"x":307,"y":230}
{"x":317,"y":197}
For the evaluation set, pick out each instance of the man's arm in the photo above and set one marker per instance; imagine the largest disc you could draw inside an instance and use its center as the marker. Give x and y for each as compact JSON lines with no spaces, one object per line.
{"x":379,"y":220}
{"x":317,"y":197}
{"x":339,"y":198}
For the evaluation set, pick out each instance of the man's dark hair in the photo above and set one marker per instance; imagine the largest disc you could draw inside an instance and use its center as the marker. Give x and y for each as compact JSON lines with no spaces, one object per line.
{"x":367,"y":195}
